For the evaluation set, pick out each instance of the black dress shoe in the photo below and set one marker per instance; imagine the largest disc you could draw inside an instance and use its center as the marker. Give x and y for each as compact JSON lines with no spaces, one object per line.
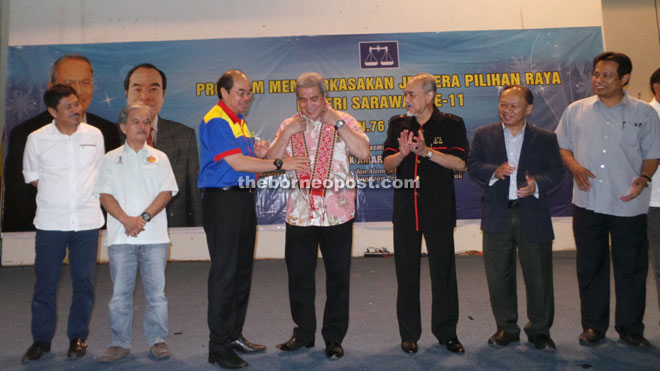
{"x":334,"y":350}
{"x":409,"y":346}
{"x":244,"y":346}
{"x":590,"y":337}
{"x":226,"y":358}
{"x":77,"y":348}
{"x":502,"y":338}
{"x":542,"y":342}
{"x":35,"y":351}
{"x":294,"y":344}
{"x":453,"y":345}
{"x":635,"y":340}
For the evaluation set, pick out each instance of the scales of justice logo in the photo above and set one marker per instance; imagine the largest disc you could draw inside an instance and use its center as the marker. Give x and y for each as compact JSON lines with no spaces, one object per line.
{"x":379,"y":54}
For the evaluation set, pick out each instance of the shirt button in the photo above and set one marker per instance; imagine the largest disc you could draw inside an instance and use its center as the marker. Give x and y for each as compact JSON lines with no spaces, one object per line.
{"x":602,"y":166}
{"x":600,"y":181}
{"x":608,"y":123}
{"x":604,"y":151}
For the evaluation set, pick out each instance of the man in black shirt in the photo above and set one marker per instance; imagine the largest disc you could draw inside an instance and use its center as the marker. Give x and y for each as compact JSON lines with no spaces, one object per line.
{"x":428,"y":146}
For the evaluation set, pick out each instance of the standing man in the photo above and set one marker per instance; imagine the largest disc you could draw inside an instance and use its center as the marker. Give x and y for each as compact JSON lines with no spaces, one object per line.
{"x":519,"y":164}
{"x":230,"y":158}
{"x":19,"y":198}
{"x":60,"y":161}
{"x":318,"y":216}
{"x":147,"y":84}
{"x":426,"y":146}
{"x":134,"y":183}
{"x":611,"y":144}
{"x":654,"y":209}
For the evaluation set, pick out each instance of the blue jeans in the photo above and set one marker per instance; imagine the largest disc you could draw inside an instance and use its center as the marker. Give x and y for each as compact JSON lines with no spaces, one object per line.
{"x":124,"y":263}
{"x":50,"y":249}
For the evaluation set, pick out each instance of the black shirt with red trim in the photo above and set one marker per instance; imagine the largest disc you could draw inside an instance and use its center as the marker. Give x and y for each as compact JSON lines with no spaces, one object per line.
{"x":432,"y":201}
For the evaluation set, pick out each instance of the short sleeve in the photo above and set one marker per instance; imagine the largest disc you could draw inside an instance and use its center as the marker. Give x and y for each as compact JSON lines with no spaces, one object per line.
{"x":31,"y":160}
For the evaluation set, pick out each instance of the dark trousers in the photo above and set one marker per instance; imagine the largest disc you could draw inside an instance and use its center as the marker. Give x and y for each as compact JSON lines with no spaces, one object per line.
{"x":230,"y":224}
{"x":592,"y":233}
{"x":50,"y":248}
{"x":536,"y":262}
{"x":654,"y":244}
{"x":301,"y":249}
{"x":407,"y":255}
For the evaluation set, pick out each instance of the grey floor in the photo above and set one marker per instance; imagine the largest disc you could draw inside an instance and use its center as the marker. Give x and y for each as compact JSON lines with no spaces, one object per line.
{"x":372,"y":342}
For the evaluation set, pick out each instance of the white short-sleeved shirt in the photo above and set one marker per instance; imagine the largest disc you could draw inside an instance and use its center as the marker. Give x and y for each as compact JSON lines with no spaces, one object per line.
{"x":611,"y":142}
{"x":655,"y":193}
{"x":65,"y":166}
{"x":134,"y":180}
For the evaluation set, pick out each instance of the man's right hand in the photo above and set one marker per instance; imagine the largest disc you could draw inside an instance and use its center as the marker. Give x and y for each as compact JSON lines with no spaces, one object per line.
{"x":133,"y":225}
{"x":295,"y":126}
{"x":295,"y":163}
{"x":503,"y":171}
{"x":581,"y":176}
{"x":404,"y":149}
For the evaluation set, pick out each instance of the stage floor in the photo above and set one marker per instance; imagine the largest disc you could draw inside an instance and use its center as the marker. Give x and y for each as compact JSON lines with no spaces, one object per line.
{"x":372,"y":342}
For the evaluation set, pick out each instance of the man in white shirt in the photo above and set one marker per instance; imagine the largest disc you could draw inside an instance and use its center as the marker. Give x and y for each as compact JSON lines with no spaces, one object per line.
{"x":134,"y":183}
{"x":653,"y":226}
{"x":60,"y":159}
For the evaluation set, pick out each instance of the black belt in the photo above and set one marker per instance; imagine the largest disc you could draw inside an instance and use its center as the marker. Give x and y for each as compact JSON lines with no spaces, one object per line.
{"x":230,"y":189}
{"x":512,"y":204}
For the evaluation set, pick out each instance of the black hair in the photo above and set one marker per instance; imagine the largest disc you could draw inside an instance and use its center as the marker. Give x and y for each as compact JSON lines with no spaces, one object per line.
{"x":127,"y":80}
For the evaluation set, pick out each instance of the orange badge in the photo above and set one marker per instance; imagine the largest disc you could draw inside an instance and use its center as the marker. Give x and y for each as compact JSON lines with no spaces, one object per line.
{"x":151,"y":159}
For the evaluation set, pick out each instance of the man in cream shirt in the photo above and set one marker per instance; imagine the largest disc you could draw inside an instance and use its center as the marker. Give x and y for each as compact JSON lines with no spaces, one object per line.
{"x":134,"y":183}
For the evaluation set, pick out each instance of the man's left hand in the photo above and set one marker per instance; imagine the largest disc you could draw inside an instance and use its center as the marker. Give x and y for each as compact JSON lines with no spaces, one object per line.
{"x":329,"y":115}
{"x":417,"y":144}
{"x":529,"y":189}
{"x":638,"y":186}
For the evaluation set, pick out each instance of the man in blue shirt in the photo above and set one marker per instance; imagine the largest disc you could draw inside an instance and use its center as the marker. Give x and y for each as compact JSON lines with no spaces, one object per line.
{"x":611,"y":144}
{"x":230,"y":159}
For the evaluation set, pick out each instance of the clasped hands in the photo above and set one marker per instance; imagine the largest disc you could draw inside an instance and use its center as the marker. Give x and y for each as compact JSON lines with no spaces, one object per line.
{"x":411,"y":143}
{"x":133,"y":225}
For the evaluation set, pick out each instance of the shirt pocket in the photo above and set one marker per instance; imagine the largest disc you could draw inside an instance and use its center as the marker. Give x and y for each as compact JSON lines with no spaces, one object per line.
{"x":630,"y":136}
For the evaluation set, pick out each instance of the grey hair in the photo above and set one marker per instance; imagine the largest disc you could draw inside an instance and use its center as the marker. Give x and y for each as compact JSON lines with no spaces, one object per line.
{"x":428,"y":82}
{"x":123,"y":115}
{"x":310,"y":80}
{"x":53,"y":70}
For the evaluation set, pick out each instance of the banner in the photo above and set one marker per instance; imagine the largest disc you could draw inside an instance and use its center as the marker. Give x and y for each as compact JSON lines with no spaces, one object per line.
{"x":365,"y":75}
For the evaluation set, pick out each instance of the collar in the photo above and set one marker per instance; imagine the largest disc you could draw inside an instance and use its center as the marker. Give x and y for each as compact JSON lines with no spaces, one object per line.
{"x":522,"y":131}
{"x":236,"y":119}
{"x":624,"y":101}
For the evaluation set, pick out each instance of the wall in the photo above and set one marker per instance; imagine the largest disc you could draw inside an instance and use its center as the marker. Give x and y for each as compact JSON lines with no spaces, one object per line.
{"x":97,"y":21}
{"x":630,"y":27}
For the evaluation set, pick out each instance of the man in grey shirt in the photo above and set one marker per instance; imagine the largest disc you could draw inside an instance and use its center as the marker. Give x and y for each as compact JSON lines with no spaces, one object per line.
{"x":611,"y":144}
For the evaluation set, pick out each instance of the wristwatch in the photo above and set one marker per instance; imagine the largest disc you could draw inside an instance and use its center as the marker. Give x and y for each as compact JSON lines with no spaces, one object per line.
{"x":648,"y":180}
{"x":146,"y":216}
{"x":278,"y":164}
{"x":339,"y":124}
{"x":429,"y":154}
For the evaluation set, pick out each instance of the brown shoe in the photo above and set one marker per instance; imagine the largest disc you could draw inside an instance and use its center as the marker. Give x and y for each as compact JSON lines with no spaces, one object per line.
{"x":114,"y":353}
{"x":590,"y":337}
{"x":160,"y":351}
{"x":503,"y":338}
